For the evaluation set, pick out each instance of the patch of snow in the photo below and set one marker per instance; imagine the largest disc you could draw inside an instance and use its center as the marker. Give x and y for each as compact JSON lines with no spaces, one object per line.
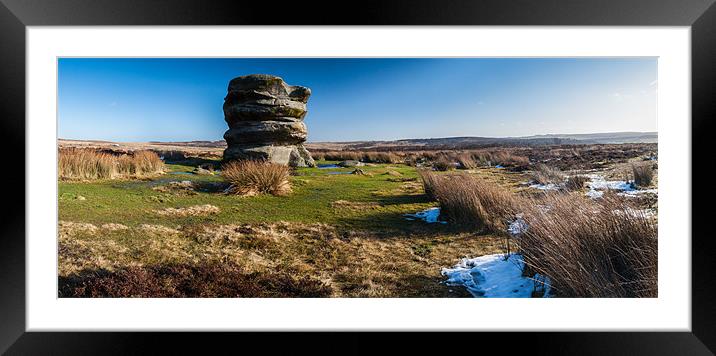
{"x":493,"y":276}
{"x":599,"y":183}
{"x":517,"y":226}
{"x":635,"y":193}
{"x":637,"y":213}
{"x":594,"y":194}
{"x":428,"y":215}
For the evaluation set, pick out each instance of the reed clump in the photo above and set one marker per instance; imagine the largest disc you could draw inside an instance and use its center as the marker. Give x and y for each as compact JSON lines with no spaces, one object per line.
{"x":90,"y":164}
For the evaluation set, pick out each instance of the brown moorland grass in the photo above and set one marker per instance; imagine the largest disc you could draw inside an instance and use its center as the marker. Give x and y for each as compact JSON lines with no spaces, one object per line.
{"x":544,"y":174}
{"x":589,"y":248}
{"x":250,"y":177}
{"x":196,"y":210}
{"x":203,"y":280}
{"x":318,"y":156}
{"x":90,"y":164}
{"x":381,"y":157}
{"x":508,"y":159}
{"x":643,"y":174}
{"x":466,"y":161}
{"x":471,"y":201}
{"x":342,"y":155}
{"x":354,"y":263}
{"x":576,"y":182}
{"x":443,"y":163}
{"x":430,"y":182}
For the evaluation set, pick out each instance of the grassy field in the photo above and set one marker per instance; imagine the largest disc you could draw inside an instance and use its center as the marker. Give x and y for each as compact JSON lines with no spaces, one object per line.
{"x":347,"y":231}
{"x":334,"y":233}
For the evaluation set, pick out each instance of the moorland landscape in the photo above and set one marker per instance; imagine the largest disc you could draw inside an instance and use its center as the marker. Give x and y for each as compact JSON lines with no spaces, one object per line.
{"x":266,"y":213}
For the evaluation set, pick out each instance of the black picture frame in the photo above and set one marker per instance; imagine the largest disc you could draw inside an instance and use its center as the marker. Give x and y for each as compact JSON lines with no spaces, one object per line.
{"x":16,"y":15}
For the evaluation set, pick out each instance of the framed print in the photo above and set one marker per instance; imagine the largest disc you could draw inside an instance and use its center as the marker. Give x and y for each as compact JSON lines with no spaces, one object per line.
{"x":518,"y":168}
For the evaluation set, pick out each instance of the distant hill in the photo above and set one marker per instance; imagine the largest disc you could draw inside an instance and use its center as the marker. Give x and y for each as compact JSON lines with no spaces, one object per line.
{"x":609,"y":137}
{"x":476,"y":142}
{"x":466,"y":142}
{"x":220,"y":143}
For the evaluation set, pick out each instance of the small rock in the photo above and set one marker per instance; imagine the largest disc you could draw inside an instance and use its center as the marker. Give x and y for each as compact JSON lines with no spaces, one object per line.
{"x":202,"y":172}
{"x":79,"y":197}
{"x":351,"y":163}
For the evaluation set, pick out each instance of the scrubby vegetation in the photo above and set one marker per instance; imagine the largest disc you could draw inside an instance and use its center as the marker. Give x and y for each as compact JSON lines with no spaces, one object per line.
{"x":466,"y":161}
{"x":471,"y":202}
{"x":206,"y":280}
{"x":381,"y":157}
{"x":643,"y":174}
{"x":430,"y":183}
{"x":544,"y":174}
{"x":443,"y":163}
{"x":90,"y":164}
{"x":251,"y":177}
{"x":588,"y":248}
{"x":519,"y":158}
{"x":576,"y":182}
{"x":354,"y":235}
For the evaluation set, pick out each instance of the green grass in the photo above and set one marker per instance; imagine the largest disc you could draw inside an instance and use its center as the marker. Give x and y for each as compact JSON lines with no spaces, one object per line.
{"x":131,"y":202}
{"x":346,"y":230}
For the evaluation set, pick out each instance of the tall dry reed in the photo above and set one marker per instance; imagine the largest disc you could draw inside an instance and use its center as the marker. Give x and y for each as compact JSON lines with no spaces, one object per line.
{"x":90,"y":164}
{"x":250,"y":177}
{"x":590,"y":248}
{"x":544,"y":174}
{"x":643,"y":174}
{"x":466,"y":161}
{"x":471,"y":201}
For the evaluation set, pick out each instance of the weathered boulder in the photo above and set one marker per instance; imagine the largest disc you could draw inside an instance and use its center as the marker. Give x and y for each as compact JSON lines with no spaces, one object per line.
{"x":265,"y":117}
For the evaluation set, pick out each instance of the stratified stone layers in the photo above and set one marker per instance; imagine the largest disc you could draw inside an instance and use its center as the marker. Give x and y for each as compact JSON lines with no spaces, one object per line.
{"x":265,"y":117}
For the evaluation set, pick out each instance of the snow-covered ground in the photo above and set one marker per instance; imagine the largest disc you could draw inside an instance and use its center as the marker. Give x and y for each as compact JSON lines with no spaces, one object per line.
{"x":517,"y":226}
{"x":428,"y":215}
{"x":635,"y":193}
{"x":493,"y":276}
{"x":637,"y":213}
{"x":597,"y":185}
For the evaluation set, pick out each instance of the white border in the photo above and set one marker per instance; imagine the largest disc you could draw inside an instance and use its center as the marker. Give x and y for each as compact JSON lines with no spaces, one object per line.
{"x":671,"y":311}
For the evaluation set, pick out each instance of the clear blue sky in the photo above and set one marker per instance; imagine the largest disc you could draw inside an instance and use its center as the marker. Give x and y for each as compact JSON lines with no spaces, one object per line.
{"x":180,"y":99}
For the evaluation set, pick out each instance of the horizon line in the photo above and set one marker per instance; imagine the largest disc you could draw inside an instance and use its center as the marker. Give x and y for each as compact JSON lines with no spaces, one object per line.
{"x":396,"y":139}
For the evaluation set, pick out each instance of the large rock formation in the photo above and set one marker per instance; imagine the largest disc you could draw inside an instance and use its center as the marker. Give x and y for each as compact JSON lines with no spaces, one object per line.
{"x":265,"y":117}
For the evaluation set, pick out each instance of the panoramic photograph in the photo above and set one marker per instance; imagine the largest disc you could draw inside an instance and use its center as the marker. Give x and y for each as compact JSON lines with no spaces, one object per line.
{"x":357,"y":177}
